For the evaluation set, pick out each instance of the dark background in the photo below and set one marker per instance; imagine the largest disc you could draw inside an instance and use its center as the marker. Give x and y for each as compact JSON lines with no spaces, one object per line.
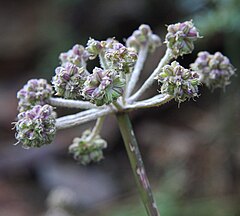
{"x":192,"y":153}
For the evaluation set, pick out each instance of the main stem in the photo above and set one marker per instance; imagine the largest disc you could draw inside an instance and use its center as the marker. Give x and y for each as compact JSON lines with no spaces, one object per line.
{"x":137,"y":165}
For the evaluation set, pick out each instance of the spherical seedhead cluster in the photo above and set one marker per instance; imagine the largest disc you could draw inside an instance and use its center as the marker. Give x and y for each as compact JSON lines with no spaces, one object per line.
{"x":36,"y":127}
{"x":35,"y":92}
{"x":118,"y":57}
{"x":68,"y":81}
{"x":77,"y":56}
{"x":142,"y":37}
{"x":85,"y":150}
{"x":180,"y":38}
{"x":179,"y":82}
{"x":214,"y":70}
{"x":103,"y":86}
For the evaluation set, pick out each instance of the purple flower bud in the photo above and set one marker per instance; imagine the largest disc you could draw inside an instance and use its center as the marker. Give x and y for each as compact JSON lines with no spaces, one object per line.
{"x":142,"y":37}
{"x":214,"y":70}
{"x":36,"y":127}
{"x":103,"y":86}
{"x":180,"y":38}
{"x":35,"y":92}
{"x":68,"y":81}
{"x":77,"y":56}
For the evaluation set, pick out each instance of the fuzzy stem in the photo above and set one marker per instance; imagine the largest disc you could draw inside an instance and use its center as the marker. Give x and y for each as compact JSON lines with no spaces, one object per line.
{"x":79,"y":118}
{"x":137,"y":70}
{"x":165,"y":60}
{"x":102,"y":60}
{"x":155,"y":101}
{"x":61,"y":102}
{"x":97,"y":128}
{"x":80,"y":114}
{"x":137,"y":164}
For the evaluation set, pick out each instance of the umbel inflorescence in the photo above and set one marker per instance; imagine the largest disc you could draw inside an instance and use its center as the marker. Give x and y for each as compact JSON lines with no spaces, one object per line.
{"x":109,"y":87}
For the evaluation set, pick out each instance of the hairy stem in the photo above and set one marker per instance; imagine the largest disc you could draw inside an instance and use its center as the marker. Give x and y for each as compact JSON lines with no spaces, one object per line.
{"x":165,"y":60}
{"x":61,"y":102}
{"x":137,"y":164}
{"x":137,"y":70}
{"x":102,"y":59}
{"x":97,"y":128}
{"x":80,"y":114}
{"x":155,"y":101}
{"x":79,"y":118}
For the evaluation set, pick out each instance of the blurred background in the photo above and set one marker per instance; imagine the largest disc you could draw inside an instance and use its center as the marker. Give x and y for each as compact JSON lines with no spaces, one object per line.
{"x":191,"y":153}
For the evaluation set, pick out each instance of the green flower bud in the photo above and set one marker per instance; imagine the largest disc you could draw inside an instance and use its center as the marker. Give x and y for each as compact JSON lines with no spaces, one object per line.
{"x":68,"y":81}
{"x":180,"y":38}
{"x":144,"y":36}
{"x":36,"y":127}
{"x":35,"y":92}
{"x":103,"y":86}
{"x":214,"y":70}
{"x":85,"y":150}
{"x":94,"y":47}
{"x":179,"y":82}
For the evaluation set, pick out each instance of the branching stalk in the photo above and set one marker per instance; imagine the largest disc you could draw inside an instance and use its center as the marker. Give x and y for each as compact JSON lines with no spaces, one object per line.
{"x":80,"y":114}
{"x":79,"y":118}
{"x":155,"y":101}
{"x":165,"y":60}
{"x":137,"y":165}
{"x":142,"y":55}
{"x":61,"y":102}
{"x":97,"y":128}
{"x":118,"y":105}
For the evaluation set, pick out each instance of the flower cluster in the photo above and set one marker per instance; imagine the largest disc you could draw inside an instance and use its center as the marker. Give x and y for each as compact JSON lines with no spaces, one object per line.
{"x":103,"y":86}
{"x":214,"y":70}
{"x":180,"y":38}
{"x":68,"y":81}
{"x":113,"y":55}
{"x":36,"y":124}
{"x":144,"y":36}
{"x":119,"y":57}
{"x":35,"y":92}
{"x":36,"y":127}
{"x":85,"y":150}
{"x":178,"y":82}
{"x":77,"y":56}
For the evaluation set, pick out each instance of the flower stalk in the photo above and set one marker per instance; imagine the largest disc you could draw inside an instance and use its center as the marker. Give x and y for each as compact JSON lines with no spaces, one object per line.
{"x":137,"y":165}
{"x":155,"y":101}
{"x":97,"y":128}
{"x":68,"y":103}
{"x":147,"y":84}
{"x":142,"y":55}
{"x":78,"y":119}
